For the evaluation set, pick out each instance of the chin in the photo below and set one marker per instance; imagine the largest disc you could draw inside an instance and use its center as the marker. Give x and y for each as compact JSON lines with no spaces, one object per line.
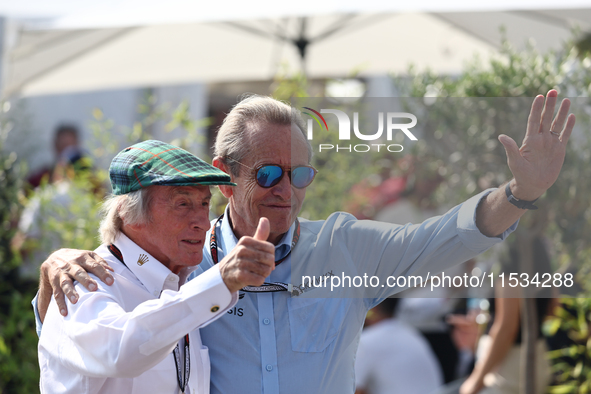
{"x":193,"y":260}
{"x":280,"y":227}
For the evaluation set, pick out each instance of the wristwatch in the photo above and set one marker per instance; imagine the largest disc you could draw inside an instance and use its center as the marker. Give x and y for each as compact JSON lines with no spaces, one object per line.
{"x":517,"y":202}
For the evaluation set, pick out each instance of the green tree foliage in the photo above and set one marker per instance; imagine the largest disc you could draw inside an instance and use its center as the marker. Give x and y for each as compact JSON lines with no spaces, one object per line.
{"x":572,"y":364}
{"x":18,"y":342}
{"x":73,"y":223}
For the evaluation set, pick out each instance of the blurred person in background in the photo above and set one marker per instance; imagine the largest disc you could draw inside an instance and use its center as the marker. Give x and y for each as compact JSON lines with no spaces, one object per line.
{"x":68,"y":156}
{"x":498,"y":355}
{"x":49,"y":205}
{"x":393,"y":357}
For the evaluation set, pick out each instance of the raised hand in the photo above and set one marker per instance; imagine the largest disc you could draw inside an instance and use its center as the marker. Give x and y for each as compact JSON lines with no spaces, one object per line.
{"x":251,"y":261}
{"x":536,"y":165}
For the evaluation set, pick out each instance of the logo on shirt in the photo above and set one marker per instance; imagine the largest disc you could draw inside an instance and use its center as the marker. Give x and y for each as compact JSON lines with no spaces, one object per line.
{"x":143,"y":259}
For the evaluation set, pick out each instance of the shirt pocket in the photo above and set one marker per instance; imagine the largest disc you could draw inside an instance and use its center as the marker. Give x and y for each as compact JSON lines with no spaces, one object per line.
{"x":315,"y":322}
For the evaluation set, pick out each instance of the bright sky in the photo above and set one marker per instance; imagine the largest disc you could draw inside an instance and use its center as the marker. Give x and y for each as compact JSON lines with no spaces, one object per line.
{"x":110,"y":13}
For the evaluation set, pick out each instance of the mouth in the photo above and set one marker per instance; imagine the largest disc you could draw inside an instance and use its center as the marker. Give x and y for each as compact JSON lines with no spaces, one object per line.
{"x":278,"y":206}
{"x":192,"y":242}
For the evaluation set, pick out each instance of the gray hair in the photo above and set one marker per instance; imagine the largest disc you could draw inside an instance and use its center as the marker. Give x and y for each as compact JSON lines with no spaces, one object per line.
{"x":132,"y":207}
{"x":251,"y":110}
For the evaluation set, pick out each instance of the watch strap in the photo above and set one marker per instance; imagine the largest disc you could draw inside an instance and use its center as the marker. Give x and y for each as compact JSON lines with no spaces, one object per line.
{"x":517,"y":202}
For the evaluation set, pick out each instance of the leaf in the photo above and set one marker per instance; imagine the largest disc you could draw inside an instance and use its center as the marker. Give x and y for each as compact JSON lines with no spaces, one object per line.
{"x":97,"y":114}
{"x":3,"y":348}
{"x":552,"y":326}
{"x":563,"y":389}
{"x":578,"y":369}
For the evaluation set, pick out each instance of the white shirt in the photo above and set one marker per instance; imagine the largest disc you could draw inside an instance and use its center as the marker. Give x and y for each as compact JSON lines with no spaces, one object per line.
{"x":120,"y":338}
{"x":394,"y":358}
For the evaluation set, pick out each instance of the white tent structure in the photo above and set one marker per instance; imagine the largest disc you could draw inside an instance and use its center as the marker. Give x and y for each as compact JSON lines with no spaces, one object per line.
{"x":83,"y":46}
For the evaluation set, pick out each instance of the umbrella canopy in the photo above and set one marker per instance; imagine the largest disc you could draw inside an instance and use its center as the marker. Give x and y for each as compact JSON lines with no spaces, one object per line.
{"x":63,"y":57}
{"x":62,"y":61}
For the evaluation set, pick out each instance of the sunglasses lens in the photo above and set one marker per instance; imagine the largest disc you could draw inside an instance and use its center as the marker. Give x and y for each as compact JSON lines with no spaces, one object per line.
{"x":302,"y":176}
{"x":269,"y":176}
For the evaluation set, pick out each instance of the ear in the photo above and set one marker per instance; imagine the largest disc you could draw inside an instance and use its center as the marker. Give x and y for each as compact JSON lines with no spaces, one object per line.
{"x":220,"y":164}
{"x":132,"y":231}
{"x":127,"y":228}
{"x":134,"y":227}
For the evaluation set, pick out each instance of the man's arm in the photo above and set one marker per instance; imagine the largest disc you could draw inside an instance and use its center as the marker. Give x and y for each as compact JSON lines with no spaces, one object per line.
{"x":535,"y":166}
{"x":101,"y":339}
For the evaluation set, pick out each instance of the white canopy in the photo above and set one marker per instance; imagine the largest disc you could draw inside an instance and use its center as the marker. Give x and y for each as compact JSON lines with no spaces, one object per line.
{"x":112,"y":44}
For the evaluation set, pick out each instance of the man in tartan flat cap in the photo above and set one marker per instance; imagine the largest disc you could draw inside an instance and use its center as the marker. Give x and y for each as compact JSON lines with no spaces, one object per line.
{"x":289,"y":337}
{"x":140,"y":334}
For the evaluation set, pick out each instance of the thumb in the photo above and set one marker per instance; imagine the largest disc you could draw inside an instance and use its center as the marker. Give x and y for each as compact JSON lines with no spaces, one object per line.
{"x":511,"y":148}
{"x":263,"y":230}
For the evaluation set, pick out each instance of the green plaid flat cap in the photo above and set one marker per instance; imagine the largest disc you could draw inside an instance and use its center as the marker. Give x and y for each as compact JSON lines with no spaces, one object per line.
{"x":158,"y":163}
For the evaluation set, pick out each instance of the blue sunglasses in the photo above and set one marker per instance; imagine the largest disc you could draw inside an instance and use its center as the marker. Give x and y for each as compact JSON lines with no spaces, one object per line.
{"x":268,"y":175}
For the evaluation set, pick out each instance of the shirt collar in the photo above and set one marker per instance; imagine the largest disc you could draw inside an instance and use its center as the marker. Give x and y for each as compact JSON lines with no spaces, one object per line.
{"x":230,"y":240}
{"x":154,"y":275}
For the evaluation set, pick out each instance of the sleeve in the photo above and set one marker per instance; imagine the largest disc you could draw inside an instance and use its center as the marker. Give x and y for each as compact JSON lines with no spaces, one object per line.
{"x":426,"y":249}
{"x":99,"y":338}
{"x":376,"y":252}
{"x":431,"y":247}
{"x":38,"y":324}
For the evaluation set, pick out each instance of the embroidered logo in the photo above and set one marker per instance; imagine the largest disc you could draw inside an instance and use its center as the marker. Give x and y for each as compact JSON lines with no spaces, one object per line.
{"x":143,"y":259}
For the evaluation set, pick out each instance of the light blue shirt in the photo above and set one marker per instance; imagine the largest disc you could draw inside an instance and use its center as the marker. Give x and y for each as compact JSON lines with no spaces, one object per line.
{"x":275,"y":343}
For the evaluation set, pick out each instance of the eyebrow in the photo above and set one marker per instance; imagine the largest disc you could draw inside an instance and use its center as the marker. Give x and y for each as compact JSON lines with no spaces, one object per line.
{"x":178,"y":190}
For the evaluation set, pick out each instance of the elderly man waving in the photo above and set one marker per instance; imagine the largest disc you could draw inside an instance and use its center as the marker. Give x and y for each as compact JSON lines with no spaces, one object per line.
{"x":139,"y":335}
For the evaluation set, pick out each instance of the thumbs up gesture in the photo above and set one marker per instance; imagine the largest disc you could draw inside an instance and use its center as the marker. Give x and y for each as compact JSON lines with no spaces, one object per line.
{"x":251,"y":261}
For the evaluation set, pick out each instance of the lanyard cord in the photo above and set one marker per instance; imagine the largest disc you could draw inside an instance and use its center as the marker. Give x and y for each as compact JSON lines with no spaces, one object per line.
{"x":181,"y":376}
{"x":266,"y":287}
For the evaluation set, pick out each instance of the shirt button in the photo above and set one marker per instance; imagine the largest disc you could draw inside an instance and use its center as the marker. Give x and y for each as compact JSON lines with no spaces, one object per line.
{"x":156,"y":293}
{"x":266,"y":321}
{"x":171,"y":279}
{"x":215,"y":308}
{"x":269,"y":367}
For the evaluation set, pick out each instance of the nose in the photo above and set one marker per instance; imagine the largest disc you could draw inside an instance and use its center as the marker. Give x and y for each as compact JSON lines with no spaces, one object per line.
{"x":283,"y":188}
{"x":200,"y":219}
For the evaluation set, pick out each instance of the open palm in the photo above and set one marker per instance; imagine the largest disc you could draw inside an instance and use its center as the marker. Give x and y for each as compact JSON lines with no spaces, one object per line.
{"x":537,"y":164}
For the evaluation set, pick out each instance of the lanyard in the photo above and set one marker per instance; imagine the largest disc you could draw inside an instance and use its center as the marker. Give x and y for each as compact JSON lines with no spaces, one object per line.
{"x":182,"y":376}
{"x":265,"y":287}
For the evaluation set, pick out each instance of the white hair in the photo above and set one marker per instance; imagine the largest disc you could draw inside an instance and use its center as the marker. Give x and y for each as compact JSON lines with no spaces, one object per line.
{"x":132,"y":207}
{"x":253,"y":109}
